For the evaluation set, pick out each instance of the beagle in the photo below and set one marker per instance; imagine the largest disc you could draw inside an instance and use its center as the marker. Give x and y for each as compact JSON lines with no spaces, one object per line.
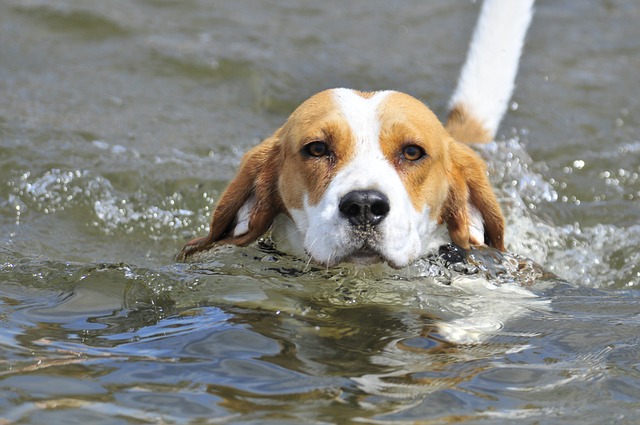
{"x":370,"y":177}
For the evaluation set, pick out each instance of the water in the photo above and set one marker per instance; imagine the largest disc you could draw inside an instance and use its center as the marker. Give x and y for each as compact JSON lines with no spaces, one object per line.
{"x":120,"y":124}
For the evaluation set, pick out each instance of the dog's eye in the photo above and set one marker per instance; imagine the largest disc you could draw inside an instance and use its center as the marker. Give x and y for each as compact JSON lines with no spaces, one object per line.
{"x":316,"y":149}
{"x":413,"y":152}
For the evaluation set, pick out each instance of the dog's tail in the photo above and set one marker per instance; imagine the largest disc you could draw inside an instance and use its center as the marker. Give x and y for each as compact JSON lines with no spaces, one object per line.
{"x":488,"y":75}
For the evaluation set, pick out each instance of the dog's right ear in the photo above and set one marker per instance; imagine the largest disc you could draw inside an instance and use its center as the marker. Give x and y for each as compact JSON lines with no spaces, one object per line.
{"x":471,"y":211}
{"x":248,"y":206}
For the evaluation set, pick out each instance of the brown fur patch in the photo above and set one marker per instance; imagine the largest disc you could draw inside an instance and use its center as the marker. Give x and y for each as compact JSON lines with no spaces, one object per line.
{"x":258,"y":177}
{"x":469,"y":183}
{"x":406,"y":121}
{"x":317,"y":119}
{"x":465,"y":128}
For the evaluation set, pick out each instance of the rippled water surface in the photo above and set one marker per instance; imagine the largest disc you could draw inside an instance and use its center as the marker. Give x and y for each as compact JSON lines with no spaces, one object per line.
{"x":120,"y":124}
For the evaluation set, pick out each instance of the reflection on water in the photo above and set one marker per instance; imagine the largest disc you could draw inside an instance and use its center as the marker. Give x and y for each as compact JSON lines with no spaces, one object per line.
{"x":252,"y":335}
{"x":120,"y":124}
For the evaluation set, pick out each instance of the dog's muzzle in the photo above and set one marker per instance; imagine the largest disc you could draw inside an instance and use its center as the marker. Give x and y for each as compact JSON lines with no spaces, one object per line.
{"x":364,"y":208}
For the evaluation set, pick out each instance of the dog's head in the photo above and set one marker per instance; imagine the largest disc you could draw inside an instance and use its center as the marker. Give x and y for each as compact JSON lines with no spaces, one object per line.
{"x":362,"y":177}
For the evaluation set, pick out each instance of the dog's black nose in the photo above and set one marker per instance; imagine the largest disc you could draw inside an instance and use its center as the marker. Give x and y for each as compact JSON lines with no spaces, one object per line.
{"x":364,"y":207}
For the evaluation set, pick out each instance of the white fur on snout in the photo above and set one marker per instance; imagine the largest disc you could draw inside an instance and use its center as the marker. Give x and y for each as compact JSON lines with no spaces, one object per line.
{"x":331,"y":237}
{"x":402,"y":237}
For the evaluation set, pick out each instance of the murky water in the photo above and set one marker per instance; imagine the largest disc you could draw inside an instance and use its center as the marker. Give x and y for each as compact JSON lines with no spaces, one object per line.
{"x":121,"y":122}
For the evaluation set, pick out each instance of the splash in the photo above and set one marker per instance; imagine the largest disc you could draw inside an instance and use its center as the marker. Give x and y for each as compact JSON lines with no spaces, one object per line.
{"x":103,"y":206}
{"x":601,"y":255}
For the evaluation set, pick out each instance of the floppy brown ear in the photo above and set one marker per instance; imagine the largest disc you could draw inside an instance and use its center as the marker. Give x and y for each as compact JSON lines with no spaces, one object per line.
{"x":248,"y":206}
{"x":471,"y":211}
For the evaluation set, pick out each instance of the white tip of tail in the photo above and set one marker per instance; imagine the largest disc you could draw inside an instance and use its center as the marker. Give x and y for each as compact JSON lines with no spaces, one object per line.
{"x":488,"y":75}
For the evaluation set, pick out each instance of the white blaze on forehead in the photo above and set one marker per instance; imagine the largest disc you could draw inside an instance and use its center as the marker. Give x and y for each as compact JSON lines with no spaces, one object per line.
{"x":362,"y":116}
{"x":369,"y":167}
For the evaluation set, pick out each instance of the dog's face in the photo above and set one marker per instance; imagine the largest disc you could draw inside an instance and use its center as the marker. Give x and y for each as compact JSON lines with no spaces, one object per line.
{"x":364,"y":177}
{"x":361,"y":177}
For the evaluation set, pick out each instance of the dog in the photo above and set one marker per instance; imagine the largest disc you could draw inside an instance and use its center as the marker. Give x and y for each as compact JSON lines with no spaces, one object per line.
{"x":370,"y":177}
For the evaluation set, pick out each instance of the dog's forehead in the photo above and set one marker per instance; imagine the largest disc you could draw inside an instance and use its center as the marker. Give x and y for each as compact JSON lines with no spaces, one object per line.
{"x":316,"y":107}
{"x":405,"y":119}
{"x":365,"y":127}
{"x":361,"y":111}
{"x":365,"y":113}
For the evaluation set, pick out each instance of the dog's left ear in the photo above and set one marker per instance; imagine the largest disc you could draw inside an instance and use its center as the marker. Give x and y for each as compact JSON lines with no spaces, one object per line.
{"x":471,"y":211}
{"x":248,"y":206}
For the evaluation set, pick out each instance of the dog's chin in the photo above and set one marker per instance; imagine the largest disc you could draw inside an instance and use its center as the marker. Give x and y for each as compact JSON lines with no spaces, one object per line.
{"x":366,"y":257}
